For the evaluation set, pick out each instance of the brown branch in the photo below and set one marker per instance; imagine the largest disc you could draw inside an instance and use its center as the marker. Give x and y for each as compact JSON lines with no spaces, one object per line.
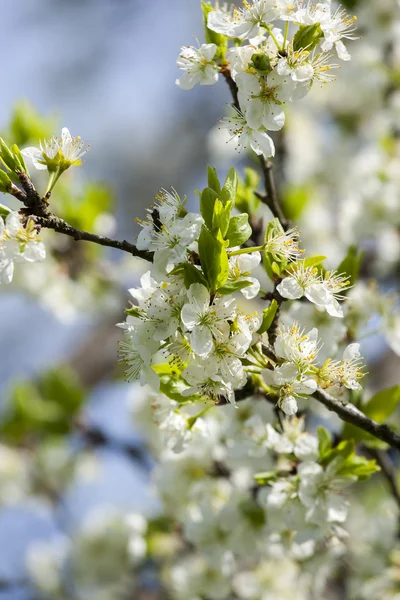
{"x":271,"y":199}
{"x":388,"y":471}
{"x":351,"y":414}
{"x":97,"y":438}
{"x":50,"y":221}
{"x":37,"y":208}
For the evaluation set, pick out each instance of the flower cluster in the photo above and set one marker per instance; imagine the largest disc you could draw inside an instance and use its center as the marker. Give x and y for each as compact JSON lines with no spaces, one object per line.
{"x":274,"y":67}
{"x":322,"y":289}
{"x":296,"y":373}
{"x":181,"y":319}
{"x":19,"y":243}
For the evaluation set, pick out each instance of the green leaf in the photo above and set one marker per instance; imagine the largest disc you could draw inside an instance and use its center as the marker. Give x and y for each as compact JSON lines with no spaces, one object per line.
{"x":5,"y":185}
{"x":239,"y":230}
{"x":46,"y":407}
{"x":213,"y":181}
{"x":246,"y":200}
{"x":265,"y":477}
{"x":351,"y":263}
{"x":268,"y":316}
{"x":8,"y":157}
{"x":213,"y":257}
{"x":313,"y":261}
{"x":295,"y":199}
{"x":358,"y":466}
{"x":307,"y":37}
{"x":19,"y":158}
{"x":221,"y":216}
{"x":382,"y":404}
{"x":261,"y":63}
{"x":228,"y":192}
{"x":267,"y":264}
{"x":324,"y":441}
{"x":190,"y":274}
{"x":378,"y":408}
{"x":233,"y":286}
{"x":211,"y":36}
{"x":207,"y":200}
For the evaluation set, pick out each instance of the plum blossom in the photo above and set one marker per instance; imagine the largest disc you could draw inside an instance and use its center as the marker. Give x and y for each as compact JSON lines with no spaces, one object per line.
{"x":198,"y":66}
{"x":206,"y":322}
{"x":18,"y":243}
{"x":57,"y":153}
{"x":246,"y":137}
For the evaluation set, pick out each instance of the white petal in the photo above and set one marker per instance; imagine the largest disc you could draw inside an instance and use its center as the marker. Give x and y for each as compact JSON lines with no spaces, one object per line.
{"x":290,"y":288}
{"x":201,"y":341}
{"x":6,"y":271}
{"x":352,"y":352}
{"x":289,"y":405}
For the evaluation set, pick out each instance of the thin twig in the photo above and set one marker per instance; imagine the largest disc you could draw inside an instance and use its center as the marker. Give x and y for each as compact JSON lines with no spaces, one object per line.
{"x":388,"y":471}
{"x":271,"y":199}
{"x":97,"y":438}
{"x":351,"y":414}
{"x":52,"y":222}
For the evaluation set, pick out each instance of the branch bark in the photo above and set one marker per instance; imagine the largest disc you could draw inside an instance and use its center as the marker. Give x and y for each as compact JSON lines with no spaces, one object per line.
{"x":351,"y":414}
{"x":37,"y":208}
{"x":50,"y":221}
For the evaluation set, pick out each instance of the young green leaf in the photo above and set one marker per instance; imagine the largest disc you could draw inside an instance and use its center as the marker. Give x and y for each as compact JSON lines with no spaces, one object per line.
{"x":213,"y":181}
{"x":351,"y":264}
{"x":190,"y":274}
{"x":228,"y":192}
{"x":207,"y":200}
{"x":233,"y":286}
{"x":213,"y":257}
{"x":268,"y":316}
{"x":221,"y":216}
{"x":239,"y":230}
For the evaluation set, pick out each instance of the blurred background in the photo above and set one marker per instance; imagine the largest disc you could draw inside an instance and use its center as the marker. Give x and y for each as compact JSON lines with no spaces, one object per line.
{"x":106,"y":69}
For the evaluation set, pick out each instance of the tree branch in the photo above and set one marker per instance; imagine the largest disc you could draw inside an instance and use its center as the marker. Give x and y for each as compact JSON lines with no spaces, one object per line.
{"x":351,"y":414}
{"x":50,"y":221}
{"x":271,"y":198}
{"x":388,"y":471}
{"x":37,"y":208}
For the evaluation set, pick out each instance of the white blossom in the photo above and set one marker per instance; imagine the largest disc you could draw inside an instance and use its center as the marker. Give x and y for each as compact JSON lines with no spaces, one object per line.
{"x":57,"y":152}
{"x":198,"y":66}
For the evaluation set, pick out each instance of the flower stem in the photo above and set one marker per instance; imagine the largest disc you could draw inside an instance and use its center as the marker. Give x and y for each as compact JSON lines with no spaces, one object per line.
{"x":246,"y":250}
{"x":285,"y":36}
{"x":277,"y":44}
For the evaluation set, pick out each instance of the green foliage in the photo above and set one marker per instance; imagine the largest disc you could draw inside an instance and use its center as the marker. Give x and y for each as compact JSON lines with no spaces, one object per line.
{"x":295,"y":199}
{"x":221,"y":216}
{"x":239,"y":230}
{"x":190,"y":274}
{"x":207,"y":201}
{"x":4,"y":211}
{"x":378,"y":408}
{"x":213,"y":257}
{"x":27,"y":125}
{"x":229,"y":191}
{"x":268,"y":316}
{"x":307,"y":37}
{"x":233,"y":286}
{"x":265,"y":477}
{"x":349,"y":464}
{"x":12,"y":157}
{"x":172,"y":384}
{"x":213,"y":181}
{"x":211,"y":36}
{"x":5,"y":187}
{"x":261,"y":63}
{"x":81,"y":210}
{"x":351,"y":264}
{"x":246,"y":200}
{"x":44,"y":407}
